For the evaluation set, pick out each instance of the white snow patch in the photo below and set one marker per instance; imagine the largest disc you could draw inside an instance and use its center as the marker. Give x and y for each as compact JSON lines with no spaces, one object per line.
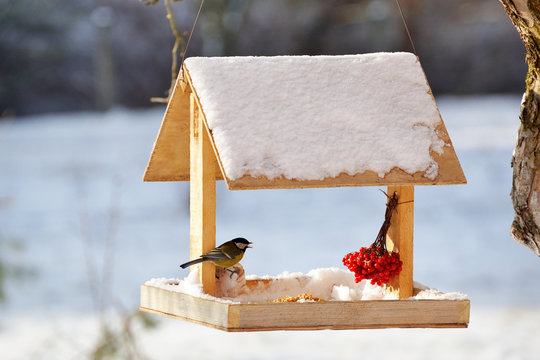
{"x":314,"y":117}
{"x":330,"y":284}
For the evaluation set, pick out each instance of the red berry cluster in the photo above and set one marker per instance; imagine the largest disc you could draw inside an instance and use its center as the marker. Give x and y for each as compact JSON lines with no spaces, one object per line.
{"x":373,"y":263}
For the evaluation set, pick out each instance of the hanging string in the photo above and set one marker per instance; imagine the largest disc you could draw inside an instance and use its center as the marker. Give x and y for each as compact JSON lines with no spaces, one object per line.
{"x":189,"y":40}
{"x":406,"y":27}
{"x":201,"y":7}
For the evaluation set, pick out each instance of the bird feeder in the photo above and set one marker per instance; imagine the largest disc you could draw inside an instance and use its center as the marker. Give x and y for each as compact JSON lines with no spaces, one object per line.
{"x":291,"y":122}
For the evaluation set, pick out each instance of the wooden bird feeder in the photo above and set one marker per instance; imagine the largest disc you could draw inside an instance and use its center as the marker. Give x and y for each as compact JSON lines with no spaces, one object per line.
{"x":270,"y":96}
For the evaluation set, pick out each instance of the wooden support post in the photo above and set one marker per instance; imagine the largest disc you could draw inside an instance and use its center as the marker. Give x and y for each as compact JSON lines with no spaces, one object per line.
{"x":400,"y":238}
{"x":202,"y":197}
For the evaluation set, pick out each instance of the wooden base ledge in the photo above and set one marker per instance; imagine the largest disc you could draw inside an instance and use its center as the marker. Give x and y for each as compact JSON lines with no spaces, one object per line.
{"x":333,"y":315}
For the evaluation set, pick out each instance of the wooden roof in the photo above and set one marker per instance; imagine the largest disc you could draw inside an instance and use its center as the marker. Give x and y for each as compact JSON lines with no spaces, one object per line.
{"x":170,"y":156}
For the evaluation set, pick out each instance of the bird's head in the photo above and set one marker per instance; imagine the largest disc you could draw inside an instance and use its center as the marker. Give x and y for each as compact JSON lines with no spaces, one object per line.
{"x":242,"y":243}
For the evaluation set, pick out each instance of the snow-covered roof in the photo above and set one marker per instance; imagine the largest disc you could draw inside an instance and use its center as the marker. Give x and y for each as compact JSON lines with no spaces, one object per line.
{"x":311,"y":121}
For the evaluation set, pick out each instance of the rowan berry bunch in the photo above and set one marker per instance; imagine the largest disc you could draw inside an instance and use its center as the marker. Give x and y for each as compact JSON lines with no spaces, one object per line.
{"x":375,"y":263}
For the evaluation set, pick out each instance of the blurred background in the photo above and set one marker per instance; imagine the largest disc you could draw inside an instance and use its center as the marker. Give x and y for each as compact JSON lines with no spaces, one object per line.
{"x":61,"y":55}
{"x":80,"y":231}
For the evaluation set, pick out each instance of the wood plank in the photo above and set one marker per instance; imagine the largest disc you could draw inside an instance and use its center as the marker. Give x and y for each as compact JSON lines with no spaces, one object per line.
{"x":350,"y":315}
{"x":169,"y":160}
{"x":450,"y":173}
{"x":449,"y":166}
{"x":183,"y":306}
{"x":400,"y":239}
{"x":202,"y":198}
{"x":334,"y":315}
{"x":219,"y":165}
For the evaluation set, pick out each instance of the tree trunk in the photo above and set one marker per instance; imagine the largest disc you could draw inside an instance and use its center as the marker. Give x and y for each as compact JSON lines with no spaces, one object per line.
{"x":525,"y":15}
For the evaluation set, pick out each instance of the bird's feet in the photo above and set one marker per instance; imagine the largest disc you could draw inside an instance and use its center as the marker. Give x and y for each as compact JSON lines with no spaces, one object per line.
{"x":235,"y":271}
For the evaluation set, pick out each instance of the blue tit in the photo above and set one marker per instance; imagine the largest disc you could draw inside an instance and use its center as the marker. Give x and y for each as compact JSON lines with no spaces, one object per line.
{"x":225,"y":255}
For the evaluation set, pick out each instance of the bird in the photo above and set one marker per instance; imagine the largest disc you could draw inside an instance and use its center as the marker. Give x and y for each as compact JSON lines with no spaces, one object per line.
{"x":225,"y":255}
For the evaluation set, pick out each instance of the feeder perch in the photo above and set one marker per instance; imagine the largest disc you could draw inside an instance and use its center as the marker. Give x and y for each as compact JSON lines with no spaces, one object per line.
{"x":304,"y":110}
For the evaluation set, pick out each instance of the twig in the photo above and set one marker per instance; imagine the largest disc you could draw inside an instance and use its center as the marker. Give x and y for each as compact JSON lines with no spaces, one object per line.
{"x":178,"y":42}
{"x":108,"y":255}
{"x":178,"y":45}
{"x":88,"y":245}
{"x":391,"y":205}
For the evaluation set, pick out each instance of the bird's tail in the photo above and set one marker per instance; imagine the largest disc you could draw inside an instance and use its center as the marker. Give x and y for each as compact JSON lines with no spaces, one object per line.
{"x":192,"y":262}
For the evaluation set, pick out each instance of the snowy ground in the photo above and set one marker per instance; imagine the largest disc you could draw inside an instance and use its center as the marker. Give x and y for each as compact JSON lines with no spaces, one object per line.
{"x":76,"y":217}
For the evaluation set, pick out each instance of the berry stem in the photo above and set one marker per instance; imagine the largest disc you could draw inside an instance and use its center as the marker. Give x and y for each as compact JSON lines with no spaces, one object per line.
{"x":380,"y":241}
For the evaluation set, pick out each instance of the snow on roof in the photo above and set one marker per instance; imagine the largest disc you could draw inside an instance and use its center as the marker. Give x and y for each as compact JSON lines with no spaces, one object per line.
{"x":316,"y":117}
{"x":309,"y":121}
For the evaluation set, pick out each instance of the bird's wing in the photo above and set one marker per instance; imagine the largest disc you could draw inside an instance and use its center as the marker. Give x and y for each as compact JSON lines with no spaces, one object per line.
{"x":216,"y":254}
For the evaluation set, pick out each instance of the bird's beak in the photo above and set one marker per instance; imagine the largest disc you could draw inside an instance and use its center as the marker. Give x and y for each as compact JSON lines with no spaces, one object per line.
{"x":249,"y":245}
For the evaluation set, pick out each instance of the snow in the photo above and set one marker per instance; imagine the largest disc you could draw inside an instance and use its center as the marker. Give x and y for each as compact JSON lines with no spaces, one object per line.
{"x":330,"y":284}
{"x":63,"y":176}
{"x":313,"y":117}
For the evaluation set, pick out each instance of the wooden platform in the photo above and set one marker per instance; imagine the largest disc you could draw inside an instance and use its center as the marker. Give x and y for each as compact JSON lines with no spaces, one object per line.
{"x":335,"y":315}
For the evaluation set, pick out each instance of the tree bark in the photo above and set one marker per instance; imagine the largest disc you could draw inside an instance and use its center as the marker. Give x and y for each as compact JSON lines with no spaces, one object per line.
{"x":525,"y":15}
